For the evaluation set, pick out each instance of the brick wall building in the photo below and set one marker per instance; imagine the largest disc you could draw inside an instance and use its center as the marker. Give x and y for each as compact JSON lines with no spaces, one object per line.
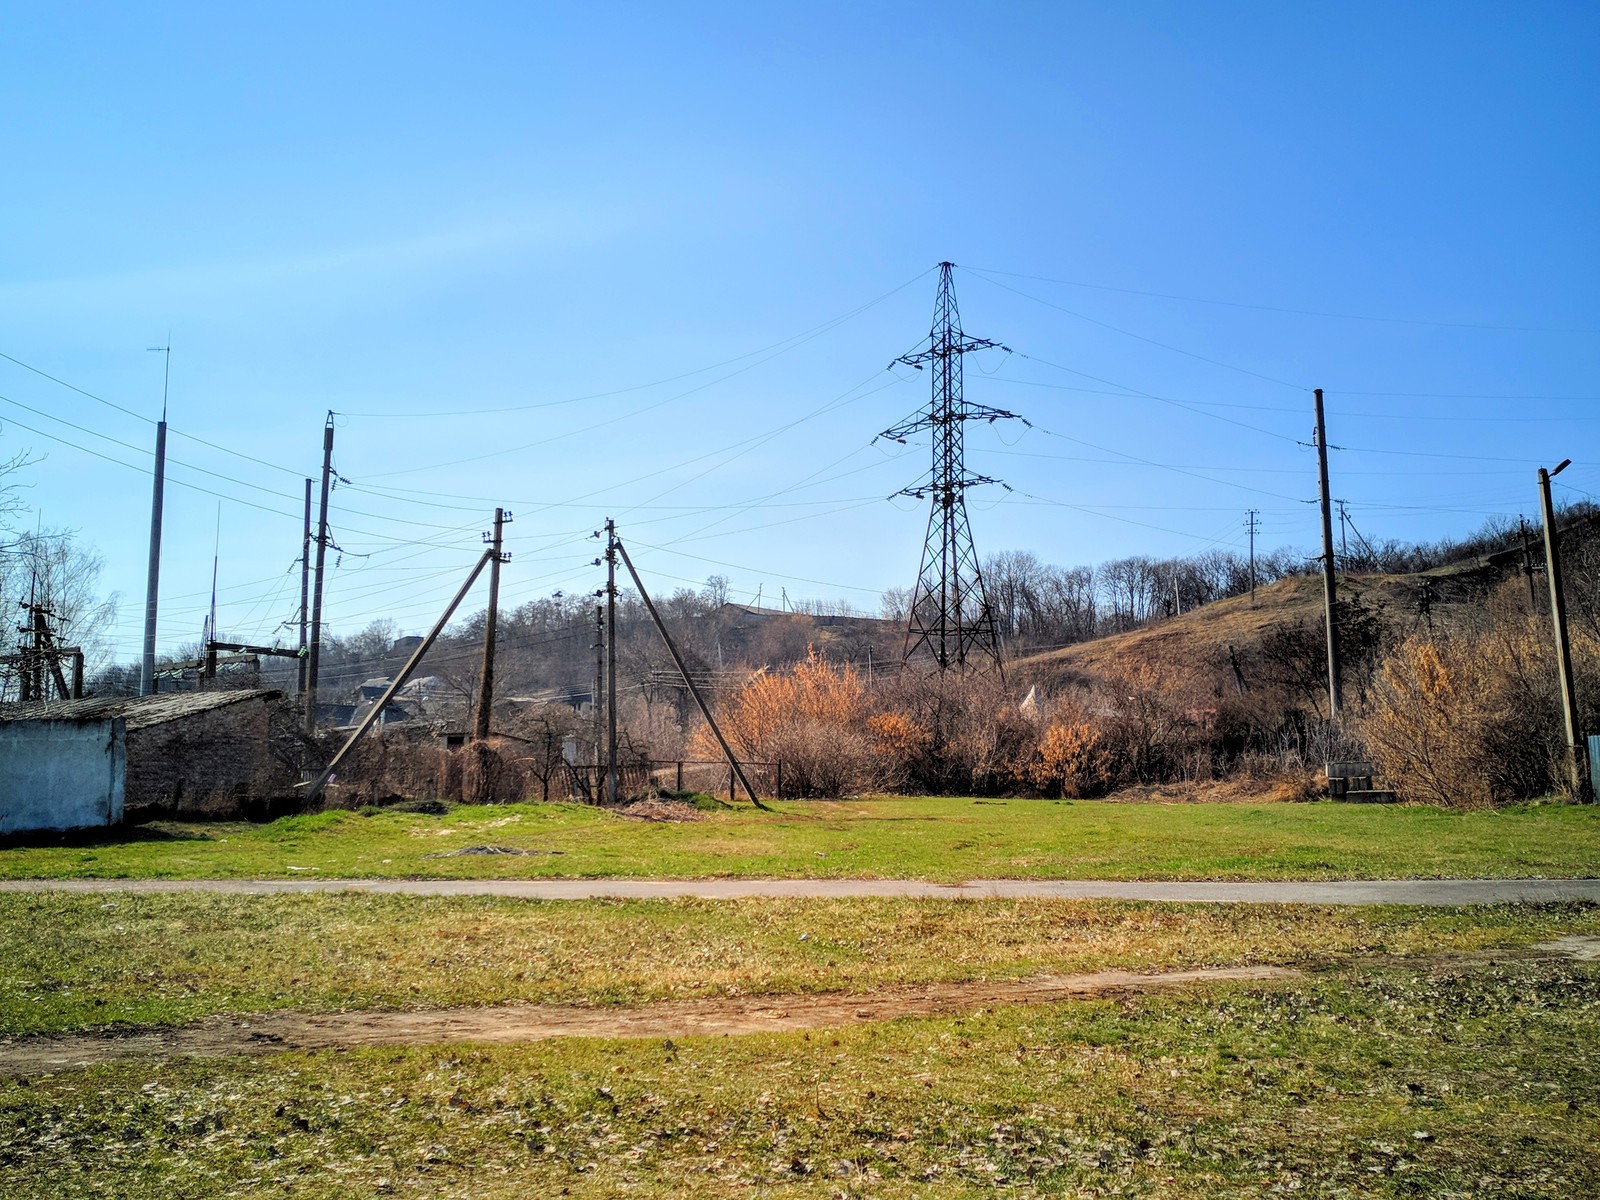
{"x":188,"y":753}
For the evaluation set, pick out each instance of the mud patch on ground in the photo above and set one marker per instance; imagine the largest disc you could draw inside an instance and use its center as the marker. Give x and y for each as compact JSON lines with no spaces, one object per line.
{"x":1580,"y":946}
{"x":272,"y":1032}
{"x":660,"y":810}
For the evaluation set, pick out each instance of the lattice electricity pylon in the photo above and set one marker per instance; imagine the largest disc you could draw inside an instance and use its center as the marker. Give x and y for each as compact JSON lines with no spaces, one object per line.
{"x":950,"y":612}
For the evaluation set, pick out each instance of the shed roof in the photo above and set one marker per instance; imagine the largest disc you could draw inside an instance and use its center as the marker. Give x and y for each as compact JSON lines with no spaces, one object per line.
{"x":137,"y":711}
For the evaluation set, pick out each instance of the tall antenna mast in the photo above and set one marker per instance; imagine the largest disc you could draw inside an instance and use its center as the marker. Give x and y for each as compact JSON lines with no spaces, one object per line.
{"x":950,"y":613}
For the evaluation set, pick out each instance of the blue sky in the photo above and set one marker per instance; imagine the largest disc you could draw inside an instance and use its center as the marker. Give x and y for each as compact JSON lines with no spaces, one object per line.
{"x":677,"y":244}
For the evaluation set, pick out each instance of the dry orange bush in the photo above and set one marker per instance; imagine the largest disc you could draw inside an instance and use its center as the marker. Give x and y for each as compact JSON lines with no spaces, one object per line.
{"x":1468,"y":719}
{"x":899,"y":743}
{"x":811,"y":720}
{"x":1073,"y":759}
{"x":951,"y":734}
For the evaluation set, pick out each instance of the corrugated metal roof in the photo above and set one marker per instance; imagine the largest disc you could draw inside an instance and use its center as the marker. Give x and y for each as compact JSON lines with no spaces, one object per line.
{"x":137,"y":711}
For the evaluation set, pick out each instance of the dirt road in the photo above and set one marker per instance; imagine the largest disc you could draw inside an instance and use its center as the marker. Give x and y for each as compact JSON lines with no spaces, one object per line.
{"x":1434,"y":892}
{"x":273,"y":1032}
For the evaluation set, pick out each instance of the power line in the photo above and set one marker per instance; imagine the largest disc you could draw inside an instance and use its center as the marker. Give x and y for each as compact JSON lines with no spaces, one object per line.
{"x":140,"y":416}
{"x":1301,"y":312}
{"x":806,"y":334}
{"x":1215,"y":362}
{"x":1135,"y":393}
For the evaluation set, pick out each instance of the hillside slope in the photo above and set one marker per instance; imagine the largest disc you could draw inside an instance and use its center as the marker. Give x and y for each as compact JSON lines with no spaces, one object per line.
{"x":1199,"y":639}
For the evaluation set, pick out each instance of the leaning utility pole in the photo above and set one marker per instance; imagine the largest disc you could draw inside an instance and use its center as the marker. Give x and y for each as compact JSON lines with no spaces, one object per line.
{"x":399,"y":681}
{"x":1335,"y":680}
{"x":486,"y":676}
{"x":1576,"y":756}
{"x":950,"y":613}
{"x":314,"y":648}
{"x":305,"y":592}
{"x":683,"y":673}
{"x":147,"y":661}
{"x":611,"y":661}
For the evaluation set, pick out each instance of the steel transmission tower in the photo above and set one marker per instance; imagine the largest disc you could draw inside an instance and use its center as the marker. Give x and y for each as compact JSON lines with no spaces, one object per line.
{"x":950,"y":613}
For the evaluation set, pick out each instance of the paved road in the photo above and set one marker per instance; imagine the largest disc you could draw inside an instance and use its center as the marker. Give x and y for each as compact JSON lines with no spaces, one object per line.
{"x":1382,"y":891}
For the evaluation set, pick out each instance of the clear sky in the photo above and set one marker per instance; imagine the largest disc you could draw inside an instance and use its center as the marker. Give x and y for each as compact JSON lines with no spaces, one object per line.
{"x":675,"y":246}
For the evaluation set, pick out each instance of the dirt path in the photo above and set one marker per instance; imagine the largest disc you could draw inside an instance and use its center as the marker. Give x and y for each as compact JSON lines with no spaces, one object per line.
{"x":1433,"y":892}
{"x":274,"y":1032}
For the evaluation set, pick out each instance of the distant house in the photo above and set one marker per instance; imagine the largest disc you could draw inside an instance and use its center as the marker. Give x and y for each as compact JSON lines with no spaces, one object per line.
{"x":100,"y":760}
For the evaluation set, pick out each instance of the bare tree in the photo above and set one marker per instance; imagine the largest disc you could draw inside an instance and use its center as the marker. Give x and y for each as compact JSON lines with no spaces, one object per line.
{"x":55,"y":570}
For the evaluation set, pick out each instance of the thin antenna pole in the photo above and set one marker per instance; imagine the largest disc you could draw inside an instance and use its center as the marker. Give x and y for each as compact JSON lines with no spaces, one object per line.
{"x":216,"y":554}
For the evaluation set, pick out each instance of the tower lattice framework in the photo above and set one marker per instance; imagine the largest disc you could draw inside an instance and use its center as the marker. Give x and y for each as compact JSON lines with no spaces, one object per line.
{"x":950,"y":617}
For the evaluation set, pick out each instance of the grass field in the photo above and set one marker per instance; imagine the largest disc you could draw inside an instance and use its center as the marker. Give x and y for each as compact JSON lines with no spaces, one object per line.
{"x":1478,"y":1080}
{"x":1417,"y":1052}
{"x":941,"y":839}
{"x":76,"y":962}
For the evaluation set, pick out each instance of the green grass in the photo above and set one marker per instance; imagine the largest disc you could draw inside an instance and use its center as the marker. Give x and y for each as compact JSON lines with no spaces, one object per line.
{"x":1464,"y":1081}
{"x":935,"y":839}
{"x":75,"y":962}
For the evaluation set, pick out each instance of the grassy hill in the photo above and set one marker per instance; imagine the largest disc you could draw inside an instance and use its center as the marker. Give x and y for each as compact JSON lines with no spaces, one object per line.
{"x":1199,"y":639}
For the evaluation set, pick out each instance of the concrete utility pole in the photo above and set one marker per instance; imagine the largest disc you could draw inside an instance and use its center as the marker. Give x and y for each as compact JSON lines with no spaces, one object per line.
{"x":152,"y":587}
{"x":596,"y":703}
{"x":314,"y":647}
{"x":305,"y":592}
{"x":1252,"y":523}
{"x":486,"y":676}
{"x":1576,"y":755}
{"x":611,"y":661}
{"x":1527,"y":564}
{"x":1335,"y":679}
{"x":147,"y":661}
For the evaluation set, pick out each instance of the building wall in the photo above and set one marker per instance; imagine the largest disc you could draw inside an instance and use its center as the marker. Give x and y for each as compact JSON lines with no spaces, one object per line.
{"x":61,"y":774}
{"x":205,"y":764}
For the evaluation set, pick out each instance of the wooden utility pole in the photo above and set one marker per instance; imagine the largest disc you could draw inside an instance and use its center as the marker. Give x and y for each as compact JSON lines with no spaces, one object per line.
{"x":611,"y":661}
{"x":1577,"y":756}
{"x":1329,"y":585}
{"x":314,"y":647}
{"x":486,"y":676}
{"x":305,"y":591}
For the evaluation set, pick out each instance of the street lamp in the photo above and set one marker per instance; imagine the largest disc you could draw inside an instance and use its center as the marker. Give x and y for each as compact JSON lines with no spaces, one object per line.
{"x":1577,"y":758}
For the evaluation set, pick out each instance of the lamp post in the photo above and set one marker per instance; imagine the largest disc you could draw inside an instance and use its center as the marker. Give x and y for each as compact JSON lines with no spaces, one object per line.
{"x":1577,"y":758}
